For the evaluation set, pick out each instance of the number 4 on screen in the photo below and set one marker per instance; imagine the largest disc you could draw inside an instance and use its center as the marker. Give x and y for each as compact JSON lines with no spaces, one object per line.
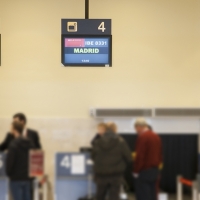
{"x":102,"y":27}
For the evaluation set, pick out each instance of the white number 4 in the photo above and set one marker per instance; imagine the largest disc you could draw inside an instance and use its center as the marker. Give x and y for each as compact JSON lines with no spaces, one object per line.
{"x":102,"y":27}
{"x":65,"y":162}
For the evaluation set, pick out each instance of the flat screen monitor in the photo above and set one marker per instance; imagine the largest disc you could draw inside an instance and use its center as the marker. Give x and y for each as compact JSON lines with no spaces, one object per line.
{"x":87,"y":50}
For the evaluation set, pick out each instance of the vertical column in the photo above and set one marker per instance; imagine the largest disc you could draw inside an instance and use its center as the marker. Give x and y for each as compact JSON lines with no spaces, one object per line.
{"x":87,"y":9}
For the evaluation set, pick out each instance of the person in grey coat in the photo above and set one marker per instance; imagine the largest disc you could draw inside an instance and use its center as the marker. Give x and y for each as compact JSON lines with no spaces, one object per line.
{"x":111,"y":155}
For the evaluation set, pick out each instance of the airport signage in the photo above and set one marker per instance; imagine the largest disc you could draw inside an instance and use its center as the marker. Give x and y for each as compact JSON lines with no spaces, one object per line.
{"x":86,"y":26}
{"x":73,"y":165}
{"x":36,"y":163}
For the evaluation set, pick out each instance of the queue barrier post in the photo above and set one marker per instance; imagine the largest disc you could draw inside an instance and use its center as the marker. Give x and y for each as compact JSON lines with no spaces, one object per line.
{"x":194,"y":191}
{"x":179,"y":188}
{"x":198,"y":185}
{"x":45,"y":188}
{"x":36,"y":189}
{"x":193,"y":184}
{"x":41,"y":191}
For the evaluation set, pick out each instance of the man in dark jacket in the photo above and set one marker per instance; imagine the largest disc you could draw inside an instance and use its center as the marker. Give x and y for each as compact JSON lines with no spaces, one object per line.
{"x":111,"y":156}
{"x":101,"y":129}
{"x":28,"y":133}
{"x":17,"y":164}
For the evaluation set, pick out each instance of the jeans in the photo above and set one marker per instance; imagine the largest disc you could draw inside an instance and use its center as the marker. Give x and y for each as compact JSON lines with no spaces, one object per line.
{"x":110,"y":186}
{"x":20,"y":190}
{"x":146,"y":185}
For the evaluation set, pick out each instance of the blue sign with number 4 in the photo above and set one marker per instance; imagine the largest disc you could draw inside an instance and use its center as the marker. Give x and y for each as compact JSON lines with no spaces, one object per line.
{"x":2,"y":166}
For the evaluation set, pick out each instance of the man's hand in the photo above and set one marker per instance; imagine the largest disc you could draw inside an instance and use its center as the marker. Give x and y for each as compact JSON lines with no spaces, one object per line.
{"x":160,"y":166}
{"x":135,"y":175}
{"x":134,"y":155}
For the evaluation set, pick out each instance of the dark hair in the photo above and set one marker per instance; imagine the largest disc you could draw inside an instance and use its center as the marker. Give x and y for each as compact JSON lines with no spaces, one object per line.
{"x":21,"y":117}
{"x":17,"y":126}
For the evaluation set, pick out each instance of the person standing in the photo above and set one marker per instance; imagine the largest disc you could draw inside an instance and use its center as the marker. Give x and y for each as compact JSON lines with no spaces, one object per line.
{"x":147,"y":160}
{"x":101,"y":130}
{"x":112,"y":127}
{"x":111,"y":156}
{"x":17,"y":164}
{"x":28,"y":133}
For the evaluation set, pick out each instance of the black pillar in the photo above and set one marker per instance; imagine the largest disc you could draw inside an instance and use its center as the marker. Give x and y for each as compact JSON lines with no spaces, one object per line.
{"x":86,"y":9}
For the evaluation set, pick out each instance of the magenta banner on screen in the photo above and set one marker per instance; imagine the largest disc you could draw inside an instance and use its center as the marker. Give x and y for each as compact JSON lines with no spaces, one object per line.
{"x":86,"y":42}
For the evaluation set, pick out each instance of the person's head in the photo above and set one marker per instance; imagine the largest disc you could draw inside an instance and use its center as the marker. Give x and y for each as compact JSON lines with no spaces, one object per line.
{"x":17,"y":129}
{"x":111,"y":127}
{"x":150,"y":127}
{"x":21,"y":118}
{"x":101,"y":128}
{"x":140,"y":125}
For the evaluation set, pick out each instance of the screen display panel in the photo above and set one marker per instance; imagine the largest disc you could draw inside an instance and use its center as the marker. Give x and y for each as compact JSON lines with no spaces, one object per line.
{"x":87,"y":51}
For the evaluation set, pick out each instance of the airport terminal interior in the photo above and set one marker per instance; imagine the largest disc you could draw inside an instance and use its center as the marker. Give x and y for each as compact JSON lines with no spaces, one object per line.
{"x":100,"y":100}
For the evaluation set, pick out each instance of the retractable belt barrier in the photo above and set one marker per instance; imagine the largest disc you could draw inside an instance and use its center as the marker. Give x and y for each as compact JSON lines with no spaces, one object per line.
{"x":193,"y":184}
{"x":186,"y":182}
{"x":41,"y":191}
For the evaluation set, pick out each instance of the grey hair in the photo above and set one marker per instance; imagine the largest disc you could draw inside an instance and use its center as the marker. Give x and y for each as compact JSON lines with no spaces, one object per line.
{"x":140,"y":122}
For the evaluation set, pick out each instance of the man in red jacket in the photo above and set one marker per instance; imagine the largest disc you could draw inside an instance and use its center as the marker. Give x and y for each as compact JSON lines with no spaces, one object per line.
{"x":147,"y":160}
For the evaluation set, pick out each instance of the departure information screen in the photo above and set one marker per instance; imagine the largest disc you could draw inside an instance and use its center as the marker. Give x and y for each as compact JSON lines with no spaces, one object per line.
{"x":86,"y":51}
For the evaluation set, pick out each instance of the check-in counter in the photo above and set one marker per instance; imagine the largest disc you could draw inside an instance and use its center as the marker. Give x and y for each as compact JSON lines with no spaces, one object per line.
{"x":73,"y":176}
{"x":3,"y":179}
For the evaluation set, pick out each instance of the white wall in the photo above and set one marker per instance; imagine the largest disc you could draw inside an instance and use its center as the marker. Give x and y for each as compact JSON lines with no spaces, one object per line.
{"x":156,"y":57}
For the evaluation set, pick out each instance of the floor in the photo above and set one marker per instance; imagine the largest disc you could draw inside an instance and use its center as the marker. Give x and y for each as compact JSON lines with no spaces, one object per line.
{"x":171,"y":197}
